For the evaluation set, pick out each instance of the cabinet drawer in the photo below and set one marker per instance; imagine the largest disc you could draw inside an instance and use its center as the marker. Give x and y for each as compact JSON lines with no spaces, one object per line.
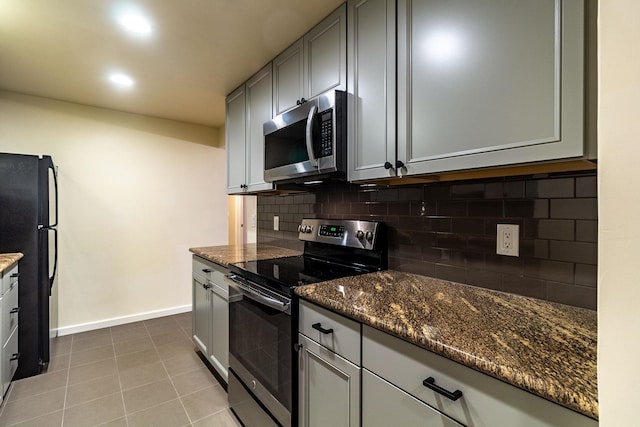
{"x":341,"y":335}
{"x":485,"y":401}
{"x":9,"y":278}
{"x":9,"y":312}
{"x":10,"y":359}
{"x":211,"y":271}
{"x":384,"y":404}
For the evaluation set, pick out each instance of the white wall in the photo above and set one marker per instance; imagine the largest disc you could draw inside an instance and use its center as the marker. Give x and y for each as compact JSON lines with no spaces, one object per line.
{"x":135,"y":193}
{"x":619,"y":213}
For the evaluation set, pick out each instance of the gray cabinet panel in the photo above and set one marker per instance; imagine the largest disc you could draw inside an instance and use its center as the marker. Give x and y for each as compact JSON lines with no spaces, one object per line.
{"x":489,"y":83}
{"x":287,"y":78}
{"x":248,"y":107}
{"x":235,"y":127}
{"x":219,"y":347}
{"x":372,"y":80}
{"x":325,"y":54}
{"x":201,"y":313}
{"x":384,"y":404}
{"x":259,"y":108}
{"x":329,"y":387}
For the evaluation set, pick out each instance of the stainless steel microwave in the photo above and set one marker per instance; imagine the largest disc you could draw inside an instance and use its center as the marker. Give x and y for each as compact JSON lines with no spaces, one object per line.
{"x":308,"y":142}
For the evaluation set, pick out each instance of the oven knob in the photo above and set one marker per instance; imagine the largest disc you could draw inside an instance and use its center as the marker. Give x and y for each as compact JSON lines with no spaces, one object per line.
{"x":299,"y":228}
{"x":369,"y":236}
{"x":359,"y":234}
{"x":253,"y":384}
{"x":308,"y":229}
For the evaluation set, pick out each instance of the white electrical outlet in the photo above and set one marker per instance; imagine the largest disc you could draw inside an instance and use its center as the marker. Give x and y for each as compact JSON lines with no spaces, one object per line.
{"x":508,"y":240}
{"x":276,"y":223}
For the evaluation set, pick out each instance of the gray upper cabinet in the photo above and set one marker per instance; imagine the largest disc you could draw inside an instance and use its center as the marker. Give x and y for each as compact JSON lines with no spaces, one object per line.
{"x":248,"y":107}
{"x":313,"y":65}
{"x":325,"y":55}
{"x":287,"y":78}
{"x":489,"y":83}
{"x":372,"y":82}
{"x":235,"y":128}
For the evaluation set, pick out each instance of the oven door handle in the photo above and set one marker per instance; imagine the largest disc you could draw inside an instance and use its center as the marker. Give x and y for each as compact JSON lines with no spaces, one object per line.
{"x":249,"y":292}
{"x":309,"y":135}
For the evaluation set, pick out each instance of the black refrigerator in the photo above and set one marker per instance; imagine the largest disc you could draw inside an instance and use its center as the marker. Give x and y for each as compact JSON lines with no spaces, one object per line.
{"x":28,"y":224}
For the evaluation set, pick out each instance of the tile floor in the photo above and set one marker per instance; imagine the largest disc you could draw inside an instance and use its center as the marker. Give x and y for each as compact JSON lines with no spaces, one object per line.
{"x":139,"y":374}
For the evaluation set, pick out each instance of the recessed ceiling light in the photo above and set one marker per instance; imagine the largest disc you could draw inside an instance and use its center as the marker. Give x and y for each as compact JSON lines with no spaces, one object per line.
{"x":121,"y":80}
{"x":135,"y":23}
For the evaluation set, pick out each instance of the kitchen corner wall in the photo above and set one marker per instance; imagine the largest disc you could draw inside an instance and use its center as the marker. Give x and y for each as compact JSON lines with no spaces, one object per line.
{"x":448,"y":230}
{"x":135,"y":193}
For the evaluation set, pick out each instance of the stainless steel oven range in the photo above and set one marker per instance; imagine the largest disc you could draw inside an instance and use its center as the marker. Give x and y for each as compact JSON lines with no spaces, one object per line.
{"x":263,"y":313}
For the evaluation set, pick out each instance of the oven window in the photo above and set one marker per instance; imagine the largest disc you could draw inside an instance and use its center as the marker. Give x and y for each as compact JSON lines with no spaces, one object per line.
{"x":260,"y":338}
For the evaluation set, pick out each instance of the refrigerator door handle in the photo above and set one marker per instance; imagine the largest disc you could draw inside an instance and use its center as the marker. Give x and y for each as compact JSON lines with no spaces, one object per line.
{"x":55,"y":255}
{"x":55,"y":184}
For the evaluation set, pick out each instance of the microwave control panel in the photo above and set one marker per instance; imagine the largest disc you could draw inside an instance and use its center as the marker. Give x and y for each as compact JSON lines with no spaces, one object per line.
{"x":326,"y":133}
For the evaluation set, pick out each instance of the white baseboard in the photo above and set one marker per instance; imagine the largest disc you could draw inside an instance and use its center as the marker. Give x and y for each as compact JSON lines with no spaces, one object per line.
{"x":115,"y":321}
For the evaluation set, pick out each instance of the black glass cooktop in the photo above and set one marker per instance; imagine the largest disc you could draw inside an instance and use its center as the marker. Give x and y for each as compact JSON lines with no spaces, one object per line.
{"x":294,"y":271}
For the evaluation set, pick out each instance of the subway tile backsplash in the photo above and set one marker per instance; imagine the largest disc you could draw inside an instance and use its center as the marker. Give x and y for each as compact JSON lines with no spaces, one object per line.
{"x":448,"y":230}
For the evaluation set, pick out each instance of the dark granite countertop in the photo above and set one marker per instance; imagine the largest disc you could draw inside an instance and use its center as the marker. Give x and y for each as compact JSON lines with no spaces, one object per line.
{"x":545,"y":348}
{"x":229,"y":254}
{"x":7,"y":260}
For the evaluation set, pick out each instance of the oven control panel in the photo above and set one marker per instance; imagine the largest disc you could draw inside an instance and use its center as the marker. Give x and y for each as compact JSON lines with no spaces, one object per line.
{"x":331,"y":230}
{"x":348,"y":233}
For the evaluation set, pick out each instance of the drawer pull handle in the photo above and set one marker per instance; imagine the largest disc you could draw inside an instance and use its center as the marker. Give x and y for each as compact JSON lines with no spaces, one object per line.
{"x":318,"y":327}
{"x":15,"y":310}
{"x":206,"y":270}
{"x":431,"y":384}
{"x":15,"y":356}
{"x":16,"y":275}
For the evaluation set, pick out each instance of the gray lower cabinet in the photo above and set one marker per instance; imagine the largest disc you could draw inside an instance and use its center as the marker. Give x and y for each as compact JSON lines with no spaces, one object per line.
{"x":211,"y":313}
{"x":9,"y":311}
{"x":479,"y":84}
{"x":384,"y":404}
{"x":483,"y":402}
{"x":247,"y":108}
{"x":328,"y":375}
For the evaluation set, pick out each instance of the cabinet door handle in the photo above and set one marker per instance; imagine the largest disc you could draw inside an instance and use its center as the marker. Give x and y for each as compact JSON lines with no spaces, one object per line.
{"x":318,"y":327}
{"x":15,"y":310}
{"x":430,"y":383}
{"x":388,"y":165}
{"x":297,"y":347}
{"x":206,"y":270}
{"x":15,"y":275}
{"x":399,"y":164}
{"x":15,"y":356}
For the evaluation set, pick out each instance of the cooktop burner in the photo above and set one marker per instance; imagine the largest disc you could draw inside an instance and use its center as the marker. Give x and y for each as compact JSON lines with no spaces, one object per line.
{"x":299,"y":270}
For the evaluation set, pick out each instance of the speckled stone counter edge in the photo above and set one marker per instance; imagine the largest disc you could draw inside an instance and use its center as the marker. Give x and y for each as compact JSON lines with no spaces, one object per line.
{"x":568,"y":398}
{"x":229,"y":254}
{"x":7,"y":260}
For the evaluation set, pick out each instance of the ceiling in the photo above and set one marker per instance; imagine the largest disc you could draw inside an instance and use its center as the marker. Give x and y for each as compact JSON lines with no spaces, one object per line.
{"x":196,"y":53}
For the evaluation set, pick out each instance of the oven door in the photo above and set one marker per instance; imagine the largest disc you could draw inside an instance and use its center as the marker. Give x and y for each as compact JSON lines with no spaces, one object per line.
{"x":260,"y":348}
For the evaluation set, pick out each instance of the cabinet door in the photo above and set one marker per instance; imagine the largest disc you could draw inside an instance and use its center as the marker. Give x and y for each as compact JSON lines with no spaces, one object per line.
{"x":287,"y":78}
{"x":372,"y":82}
{"x":384,"y":404}
{"x":329,"y":387}
{"x":201,"y":310}
{"x":235,"y":140}
{"x":489,"y":83}
{"x":219,"y":347}
{"x":325,"y":55}
{"x":259,"y":103}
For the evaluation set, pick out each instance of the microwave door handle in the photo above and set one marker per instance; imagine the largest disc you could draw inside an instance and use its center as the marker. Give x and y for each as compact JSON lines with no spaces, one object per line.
{"x":310,"y":120}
